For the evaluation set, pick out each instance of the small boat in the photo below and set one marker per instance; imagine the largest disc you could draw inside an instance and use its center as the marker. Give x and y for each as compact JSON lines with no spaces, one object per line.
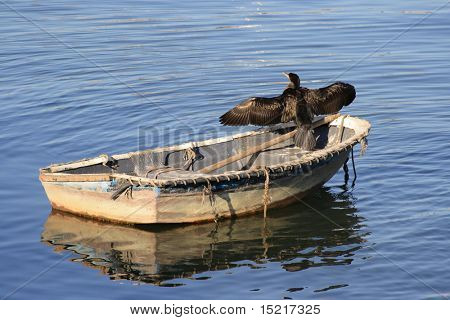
{"x":206,"y":180}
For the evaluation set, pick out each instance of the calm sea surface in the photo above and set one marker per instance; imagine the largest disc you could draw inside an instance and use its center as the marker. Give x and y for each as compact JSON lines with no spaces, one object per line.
{"x":81,"y":78}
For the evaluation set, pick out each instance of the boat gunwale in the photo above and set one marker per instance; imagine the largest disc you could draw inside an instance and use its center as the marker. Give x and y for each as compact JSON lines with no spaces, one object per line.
{"x":360,"y":126}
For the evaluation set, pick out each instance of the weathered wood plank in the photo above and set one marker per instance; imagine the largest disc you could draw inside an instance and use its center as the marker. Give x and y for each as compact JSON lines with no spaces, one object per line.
{"x":79,"y":164}
{"x":65,"y":177}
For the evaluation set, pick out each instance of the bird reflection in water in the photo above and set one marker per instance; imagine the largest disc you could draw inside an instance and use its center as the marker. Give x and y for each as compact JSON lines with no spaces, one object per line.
{"x":297,"y":237}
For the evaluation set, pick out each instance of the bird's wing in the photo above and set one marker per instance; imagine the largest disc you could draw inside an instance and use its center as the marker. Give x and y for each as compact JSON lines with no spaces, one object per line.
{"x":290,"y":107}
{"x":329,"y":99}
{"x":256,"y":111}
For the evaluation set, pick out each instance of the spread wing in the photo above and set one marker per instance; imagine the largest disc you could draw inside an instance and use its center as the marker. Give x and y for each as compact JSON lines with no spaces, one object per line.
{"x":329,"y":99}
{"x":256,"y":111}
{"x":291,"y":103}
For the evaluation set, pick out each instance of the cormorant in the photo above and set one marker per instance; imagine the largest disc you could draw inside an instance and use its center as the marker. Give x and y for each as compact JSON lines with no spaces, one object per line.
{"x":295,"y":103}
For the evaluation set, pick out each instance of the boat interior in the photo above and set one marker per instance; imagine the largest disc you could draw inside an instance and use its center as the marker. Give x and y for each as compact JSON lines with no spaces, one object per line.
{"x":187,"y":159}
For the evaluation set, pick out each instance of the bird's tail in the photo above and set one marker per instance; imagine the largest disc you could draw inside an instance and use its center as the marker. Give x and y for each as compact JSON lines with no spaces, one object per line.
{"x":304,"y":138}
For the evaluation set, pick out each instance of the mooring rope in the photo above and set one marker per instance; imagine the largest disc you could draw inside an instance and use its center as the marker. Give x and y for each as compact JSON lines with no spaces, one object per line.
{"x":207,"y":190}
{"x":266,"y":197}
{"x":346,"y":175}
{"x":364,"y":145}
{"x":354,"y":167}
{"x":265,"y":234}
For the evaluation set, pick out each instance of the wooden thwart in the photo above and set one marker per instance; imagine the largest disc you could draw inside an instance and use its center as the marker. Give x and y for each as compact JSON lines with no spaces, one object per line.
{"x":66,"y":177}
{"x":263,"y":146}
{"x":79,"y":164}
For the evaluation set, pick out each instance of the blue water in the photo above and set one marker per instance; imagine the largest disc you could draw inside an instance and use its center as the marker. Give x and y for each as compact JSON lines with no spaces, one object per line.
{"x":81,"y":78}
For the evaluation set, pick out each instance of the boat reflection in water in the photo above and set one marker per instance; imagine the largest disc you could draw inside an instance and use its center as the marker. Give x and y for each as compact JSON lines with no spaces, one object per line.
{"x":297,"y":237}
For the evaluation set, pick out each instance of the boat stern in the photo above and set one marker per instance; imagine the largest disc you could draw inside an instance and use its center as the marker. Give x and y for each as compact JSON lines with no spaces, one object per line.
{"x":94,"y":199}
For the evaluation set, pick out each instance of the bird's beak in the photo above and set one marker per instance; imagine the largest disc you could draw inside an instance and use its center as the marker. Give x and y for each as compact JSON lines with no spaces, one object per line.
{"x":286,"y":75}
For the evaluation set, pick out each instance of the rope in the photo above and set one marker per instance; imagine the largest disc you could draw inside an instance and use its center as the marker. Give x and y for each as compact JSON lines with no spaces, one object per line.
{"x":265,"y":234}
{"x":354,"y":168}
{"x":364,"y":145}
{"x":189,"y":156}
{"x":164,"y":170}
{"x":150,"y":169}
{"x":266,"y":197}
{"x":207,"y":191}
{"x":124,"y":188}
{"x":158,"y":170}
{"x":129,"y":192}
{"x":109,"y":162}
{"x":346,"y":175}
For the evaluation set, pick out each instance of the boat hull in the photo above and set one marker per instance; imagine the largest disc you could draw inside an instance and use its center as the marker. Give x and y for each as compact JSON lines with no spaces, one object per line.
{"x":150,"y":205}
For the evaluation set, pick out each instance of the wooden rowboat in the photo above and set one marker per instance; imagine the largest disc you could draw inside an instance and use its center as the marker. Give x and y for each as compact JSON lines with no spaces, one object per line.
{"x":206,"y":180}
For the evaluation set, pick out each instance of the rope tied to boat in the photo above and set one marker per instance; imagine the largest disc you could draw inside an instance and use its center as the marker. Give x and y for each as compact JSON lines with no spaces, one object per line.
{"x":266,"y":196}
{"x":190,"y":156}
{"x":364,"y":144}
{"x":207,"y":191}
{"x":354,"y":168}
{"x":126,"y":188}
{"x":265,"y":234}
{"x":129,"y":192}
{"x":109,"y":161}
{"x":347,"y":176}
{"x":156,"y":171}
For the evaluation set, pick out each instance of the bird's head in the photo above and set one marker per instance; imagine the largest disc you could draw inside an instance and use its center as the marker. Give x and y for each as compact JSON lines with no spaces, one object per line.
{"x":294,"y":80}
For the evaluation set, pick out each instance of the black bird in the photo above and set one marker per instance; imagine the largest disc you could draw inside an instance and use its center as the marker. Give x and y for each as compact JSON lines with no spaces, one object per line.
{"x":295,"y":103}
